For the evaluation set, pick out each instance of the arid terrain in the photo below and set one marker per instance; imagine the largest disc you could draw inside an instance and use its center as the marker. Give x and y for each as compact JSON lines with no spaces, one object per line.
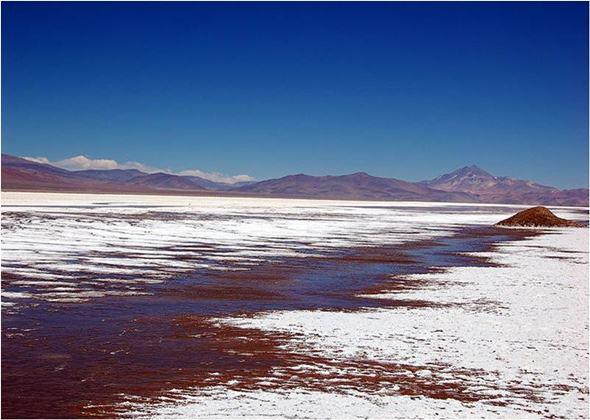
{"x":469,"y":184}
{"x":175,"y":306}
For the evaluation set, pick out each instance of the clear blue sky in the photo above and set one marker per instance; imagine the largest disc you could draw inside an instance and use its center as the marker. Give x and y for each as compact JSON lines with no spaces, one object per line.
{"x":406,"y":90}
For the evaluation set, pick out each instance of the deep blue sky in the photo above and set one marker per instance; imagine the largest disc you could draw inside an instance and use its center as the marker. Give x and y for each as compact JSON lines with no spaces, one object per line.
{"x":407,"y":90}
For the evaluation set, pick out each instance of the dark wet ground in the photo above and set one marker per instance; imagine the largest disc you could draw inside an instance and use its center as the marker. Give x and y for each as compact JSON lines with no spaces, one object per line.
{"x":72,"y":360}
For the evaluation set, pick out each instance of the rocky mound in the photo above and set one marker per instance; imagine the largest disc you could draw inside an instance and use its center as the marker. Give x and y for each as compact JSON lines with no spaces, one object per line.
{"x":537,"y":216}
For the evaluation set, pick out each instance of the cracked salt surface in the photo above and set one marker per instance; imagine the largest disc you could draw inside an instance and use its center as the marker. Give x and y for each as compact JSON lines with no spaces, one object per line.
{"x":528,"y":342}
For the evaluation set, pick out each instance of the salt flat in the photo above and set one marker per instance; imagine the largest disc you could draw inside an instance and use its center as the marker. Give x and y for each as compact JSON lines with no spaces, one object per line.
{"x":508,"y":338}
{"x":65,"y":245}
{"x":523,"y":327}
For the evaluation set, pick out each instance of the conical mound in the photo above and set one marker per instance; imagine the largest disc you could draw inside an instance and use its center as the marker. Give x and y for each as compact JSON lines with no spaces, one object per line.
{"x":538,"y":217}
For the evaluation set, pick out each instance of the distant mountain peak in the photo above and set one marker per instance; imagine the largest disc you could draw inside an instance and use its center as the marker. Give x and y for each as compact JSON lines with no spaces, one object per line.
{"x":472,"y":170}
{"x":493,"y":189}
{"x":464,"y":174}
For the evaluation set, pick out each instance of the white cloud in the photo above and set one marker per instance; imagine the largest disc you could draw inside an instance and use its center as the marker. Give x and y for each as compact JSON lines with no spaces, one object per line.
{"x":82,"y":162}
{"x":77,"y":163}
{"x":37,"y":159}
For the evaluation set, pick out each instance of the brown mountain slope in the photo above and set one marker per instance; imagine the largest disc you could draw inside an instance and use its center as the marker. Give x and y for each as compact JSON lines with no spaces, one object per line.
{"x":24,"y":175}
{"x":111,"y":175}
{"x":469,"y":184}
{"x":162,"y":181}
{"x":353,"y":187}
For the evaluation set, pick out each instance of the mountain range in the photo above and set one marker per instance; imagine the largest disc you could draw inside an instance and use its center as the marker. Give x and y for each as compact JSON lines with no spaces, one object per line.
{"x":469,"y":184}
